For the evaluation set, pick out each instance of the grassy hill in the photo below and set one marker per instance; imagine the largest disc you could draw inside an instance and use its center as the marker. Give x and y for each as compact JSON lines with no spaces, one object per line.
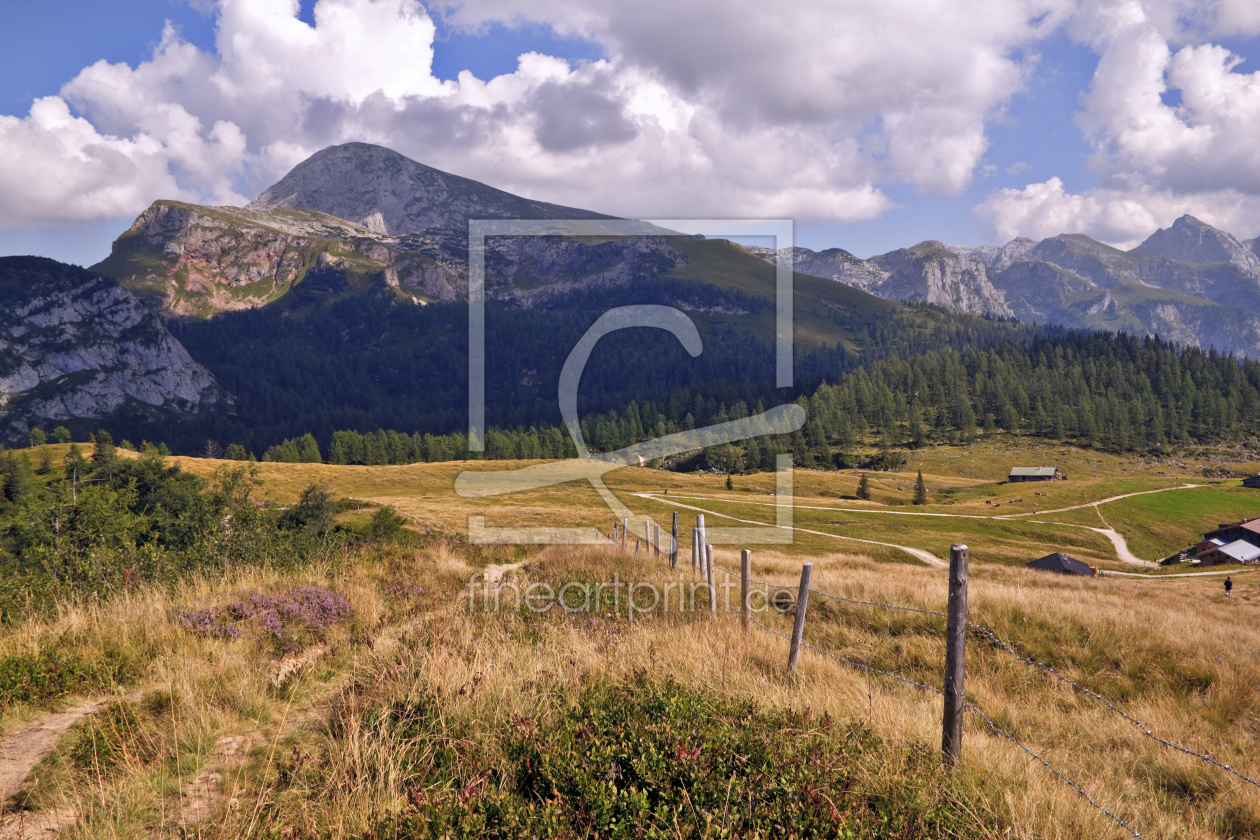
{"x":408,"y":714}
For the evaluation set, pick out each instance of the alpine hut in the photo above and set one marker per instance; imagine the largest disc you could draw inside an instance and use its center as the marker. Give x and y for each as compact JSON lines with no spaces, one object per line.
{"x":1061,"y":564}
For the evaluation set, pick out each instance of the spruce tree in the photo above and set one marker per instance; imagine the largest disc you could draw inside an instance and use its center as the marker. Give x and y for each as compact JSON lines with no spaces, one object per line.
{"x":864,"y":488}
{"x":920,"y":491}
{"x":104,"y":455}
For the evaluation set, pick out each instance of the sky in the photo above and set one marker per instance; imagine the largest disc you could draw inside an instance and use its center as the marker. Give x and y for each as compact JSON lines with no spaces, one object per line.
{"x":874,"y":124}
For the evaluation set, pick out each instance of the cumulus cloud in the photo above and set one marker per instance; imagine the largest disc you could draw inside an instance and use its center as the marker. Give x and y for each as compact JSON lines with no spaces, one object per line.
{"x":706,"y":107}
{"x":1156,"y":160}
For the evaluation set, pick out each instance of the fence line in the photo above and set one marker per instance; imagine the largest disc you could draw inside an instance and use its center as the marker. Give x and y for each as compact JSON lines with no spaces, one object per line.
{"x":992,"y":725}
{"x":1006,"y":646}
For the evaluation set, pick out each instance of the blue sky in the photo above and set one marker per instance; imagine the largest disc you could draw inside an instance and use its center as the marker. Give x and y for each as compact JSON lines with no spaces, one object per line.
{"x":644,"y":127}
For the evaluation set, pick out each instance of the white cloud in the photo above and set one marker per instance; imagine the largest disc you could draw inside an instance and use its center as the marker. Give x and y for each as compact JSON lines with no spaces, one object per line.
{"x":1119,"y":217}
{"x":1157,"y":160}
{"x":705,"y":107}
{"x":57,"y":167}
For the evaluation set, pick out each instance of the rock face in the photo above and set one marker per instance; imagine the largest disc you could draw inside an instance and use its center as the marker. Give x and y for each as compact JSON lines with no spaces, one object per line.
{"x":1191,"y":282}
{"x":932,"y":273}
{"x":375,"y":214}
{"x":388,"y":193}
{"x":1190,"y":240}
{"x":929,"y":272}
{"x":76,"y":346}
{"x":190,"y":261}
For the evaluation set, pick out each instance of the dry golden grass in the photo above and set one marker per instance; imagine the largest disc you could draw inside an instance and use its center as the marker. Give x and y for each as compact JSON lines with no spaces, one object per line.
{"x":1177,"y":655}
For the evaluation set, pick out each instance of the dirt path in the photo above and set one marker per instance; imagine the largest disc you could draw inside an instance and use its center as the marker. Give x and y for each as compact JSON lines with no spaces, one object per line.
{"x":1104,"y":501}
{"x":1237,"y":570}
{"x":20,"y":752}
{"x":1117,"y":540}
{"x":886,"y":512}
{"x":917,"y":553}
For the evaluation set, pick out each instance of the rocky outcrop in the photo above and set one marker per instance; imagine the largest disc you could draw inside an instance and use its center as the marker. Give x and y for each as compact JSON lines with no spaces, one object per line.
{"x":75,"y":345}
{"x":191,"y":261}
{"x":996,"y":258}
{"x":929,"y":272}
{"x":932,"y":273}
{"x":1192,"y":241}
{"x":833,"y":264}
{"x":390,"y":194}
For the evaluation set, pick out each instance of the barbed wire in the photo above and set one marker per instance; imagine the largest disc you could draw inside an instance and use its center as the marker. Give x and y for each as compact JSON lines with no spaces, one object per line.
{"x":863,"y":666}
{"x":1049,"y":767}
{"x":1142,"y":727}
{"x":1006,"y":646}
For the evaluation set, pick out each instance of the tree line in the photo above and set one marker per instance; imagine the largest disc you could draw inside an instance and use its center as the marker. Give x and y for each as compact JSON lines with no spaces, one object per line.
{"x":1112,"y":391}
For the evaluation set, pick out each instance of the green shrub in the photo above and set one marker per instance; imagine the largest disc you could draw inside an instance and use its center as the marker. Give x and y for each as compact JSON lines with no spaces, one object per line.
{"x":39,"y":677}
{"x":641,"y":761}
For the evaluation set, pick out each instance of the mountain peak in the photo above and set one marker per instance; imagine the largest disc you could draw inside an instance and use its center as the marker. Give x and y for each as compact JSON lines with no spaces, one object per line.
{"x":1190,"y":240}
{"x":389,"y":193}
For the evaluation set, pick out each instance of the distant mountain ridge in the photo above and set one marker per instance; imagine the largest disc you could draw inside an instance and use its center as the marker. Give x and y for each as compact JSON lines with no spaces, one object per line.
{"x":1190,"y":282}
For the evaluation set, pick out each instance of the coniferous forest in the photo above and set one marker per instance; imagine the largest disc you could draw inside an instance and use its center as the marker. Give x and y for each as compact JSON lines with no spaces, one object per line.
{"x":360,"y":379}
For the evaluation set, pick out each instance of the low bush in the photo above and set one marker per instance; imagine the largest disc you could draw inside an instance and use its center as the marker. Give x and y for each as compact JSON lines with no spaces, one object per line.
{"x":645,"y":761}
{"x":43,"y":676}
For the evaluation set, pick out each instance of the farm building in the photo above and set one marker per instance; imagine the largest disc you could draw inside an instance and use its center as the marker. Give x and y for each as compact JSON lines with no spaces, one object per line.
{"x":1033,"y":474}
{"x":1208,"y":545}
{"x":1062,"y":564}
{"x":1239,"y":551}
{"x":1248,"y":529}
{"x":1252,"y":481}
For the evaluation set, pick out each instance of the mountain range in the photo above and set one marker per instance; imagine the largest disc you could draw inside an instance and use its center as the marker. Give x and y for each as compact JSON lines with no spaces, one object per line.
{"x":1190,"y":282}
{"x":336,"y":299}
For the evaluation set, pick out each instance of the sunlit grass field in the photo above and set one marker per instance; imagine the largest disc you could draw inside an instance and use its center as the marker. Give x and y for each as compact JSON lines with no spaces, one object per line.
{"x":969,"y":500}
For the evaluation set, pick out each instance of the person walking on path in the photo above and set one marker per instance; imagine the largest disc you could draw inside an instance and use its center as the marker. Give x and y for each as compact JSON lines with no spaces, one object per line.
{"x":1229,"y":587}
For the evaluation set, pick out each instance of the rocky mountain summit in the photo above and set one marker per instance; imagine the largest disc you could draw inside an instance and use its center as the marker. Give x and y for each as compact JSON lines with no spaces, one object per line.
{"x":76,"y":347}
{"x":1190,"y":282}
{"x":388,"y":193}
{"x":376,"y":215}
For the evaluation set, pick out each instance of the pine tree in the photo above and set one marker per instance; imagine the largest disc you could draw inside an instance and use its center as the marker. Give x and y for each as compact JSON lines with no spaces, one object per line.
{"x":308,"y":450}
{"x":918,"y":437}
{"x":864,"y":488}
{"x":21,"y":480}
{"x":920,"y":491}
{"x":104,"y":455}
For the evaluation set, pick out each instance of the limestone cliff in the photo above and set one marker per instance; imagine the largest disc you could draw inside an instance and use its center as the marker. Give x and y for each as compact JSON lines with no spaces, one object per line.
{"x":75,"y":346}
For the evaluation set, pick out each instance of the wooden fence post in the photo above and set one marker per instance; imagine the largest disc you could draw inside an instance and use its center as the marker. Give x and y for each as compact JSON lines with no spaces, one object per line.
{"x":745,"y":587}
{"x":798,"y":627}
{"x":704,"y":540}
{"x":955,"y":659}
{"x":625,"y":527}
{"x":708,"y":573}
{"x":656,"y":539}
{"x":695,"y":550}
{"x":647,"y":537}
{"x":673,"y":544}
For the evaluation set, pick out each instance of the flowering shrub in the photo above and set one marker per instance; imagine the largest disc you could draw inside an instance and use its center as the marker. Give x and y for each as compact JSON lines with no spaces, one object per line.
{"x":284,"y":620}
